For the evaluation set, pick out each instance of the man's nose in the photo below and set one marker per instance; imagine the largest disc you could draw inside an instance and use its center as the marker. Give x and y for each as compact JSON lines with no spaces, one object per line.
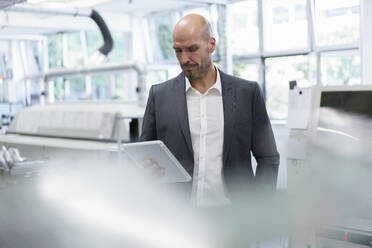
{"x":185,"y":58}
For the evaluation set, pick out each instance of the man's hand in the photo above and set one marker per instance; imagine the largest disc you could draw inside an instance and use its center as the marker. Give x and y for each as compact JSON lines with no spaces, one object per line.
{"x":153,"y":169}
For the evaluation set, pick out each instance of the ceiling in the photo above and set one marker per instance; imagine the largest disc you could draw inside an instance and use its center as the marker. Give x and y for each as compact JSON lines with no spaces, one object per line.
{"x":143,"y":6}
{"x":117,"y":6}
{"x":34,"y":17}
{"x":7,"y":3}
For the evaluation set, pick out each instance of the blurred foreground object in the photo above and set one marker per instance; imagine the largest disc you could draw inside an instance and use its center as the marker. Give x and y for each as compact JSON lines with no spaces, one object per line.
{"x":329,"y":165}
{"x":11,"y":163}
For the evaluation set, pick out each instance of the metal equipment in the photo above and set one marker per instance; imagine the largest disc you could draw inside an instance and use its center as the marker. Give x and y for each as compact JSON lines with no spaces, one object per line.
{"x":327,"y":151}
{"x":92,"y":126}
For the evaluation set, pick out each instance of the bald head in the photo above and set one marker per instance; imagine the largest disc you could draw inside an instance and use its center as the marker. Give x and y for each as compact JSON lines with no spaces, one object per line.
{"x":192,"y":25}
{"x":193,"y":44}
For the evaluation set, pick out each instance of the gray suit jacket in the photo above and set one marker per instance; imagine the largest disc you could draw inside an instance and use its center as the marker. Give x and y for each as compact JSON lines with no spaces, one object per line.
{"x":247,"y":129}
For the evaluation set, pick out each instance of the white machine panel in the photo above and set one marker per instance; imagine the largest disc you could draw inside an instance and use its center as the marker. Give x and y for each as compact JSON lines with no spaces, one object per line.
{"x":86,"y":120}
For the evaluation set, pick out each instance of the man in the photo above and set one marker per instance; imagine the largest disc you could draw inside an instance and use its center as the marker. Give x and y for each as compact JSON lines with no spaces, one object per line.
{"x":211,"y":121}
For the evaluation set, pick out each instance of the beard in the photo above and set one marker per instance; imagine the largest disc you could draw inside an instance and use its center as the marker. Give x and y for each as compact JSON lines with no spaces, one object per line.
{"x":197,"y":71}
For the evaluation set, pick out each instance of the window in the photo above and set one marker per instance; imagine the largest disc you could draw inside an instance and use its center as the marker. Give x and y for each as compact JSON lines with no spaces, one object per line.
{"x":59,"y":89}
{"x":288,"y":50}
{"x":279,"y":71}
{"x":4,"y":48}
{"x":243,"y":28}
{"x":34,"y":92}
{"x":156,"y":76}
{"x":340,"y":68}
{"x":94,"y":42}
{"x":284,"y":25}
{"x":247,"y":70}
{"x":72,"y":88}
{"x":337,"y":22}
{"x":75,"y":55}
{"x":126,"y":86}
{"x":280,"y":15}
{"x":160,"y":26}
{"x":121,"y":50}
{"x":75,"y":88}
{"x":300,"y":12}
{"x":55,"y":50}
{"x":201,"y":11}
{"x":121,"y":87}
{"x":100,"y":85}
{"x":34,"y":65}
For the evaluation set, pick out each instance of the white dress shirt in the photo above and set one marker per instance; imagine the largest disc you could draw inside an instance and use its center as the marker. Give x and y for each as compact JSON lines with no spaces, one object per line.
{"x":206,"y":121}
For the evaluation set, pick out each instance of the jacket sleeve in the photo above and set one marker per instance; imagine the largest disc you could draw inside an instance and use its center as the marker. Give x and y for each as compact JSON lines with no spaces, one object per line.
{"x":149,"y":119}
{"x":263,"y":145}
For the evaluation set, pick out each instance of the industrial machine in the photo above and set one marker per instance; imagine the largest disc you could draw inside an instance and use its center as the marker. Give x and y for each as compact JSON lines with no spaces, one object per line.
{"x":56,"y":131}
{"x":328,"y":164}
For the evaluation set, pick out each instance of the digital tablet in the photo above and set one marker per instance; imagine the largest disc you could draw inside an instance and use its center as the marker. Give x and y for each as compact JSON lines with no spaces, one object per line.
{"x":158,"y":152}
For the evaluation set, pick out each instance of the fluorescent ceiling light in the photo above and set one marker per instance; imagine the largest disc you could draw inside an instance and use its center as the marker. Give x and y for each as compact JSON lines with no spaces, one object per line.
{"x":48,"y":4}
{"x":88,"y":3}
{"x":68,"y":4}
{"x":35,"y":1}
{"x":53,"y":5}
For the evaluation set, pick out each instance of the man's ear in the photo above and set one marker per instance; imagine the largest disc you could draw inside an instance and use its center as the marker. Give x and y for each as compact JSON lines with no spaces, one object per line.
{"x":212,"y":44}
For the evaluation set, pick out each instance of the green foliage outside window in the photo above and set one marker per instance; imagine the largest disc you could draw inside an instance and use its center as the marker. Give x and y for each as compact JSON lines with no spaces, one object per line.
{"x":238,"y":68}
{"x":279,"y":71}
{"x":59,"y":89}
{"x":94,"y":41}
{"x":340,"y":70}
{"x":75,"y":51}
{"x":161,"y":26}
{"x":117,"y":53}
{"x":55,"y":50}
{"x":164,"y":35}
{"x":100,"y":84}
{"x":77,"y":88}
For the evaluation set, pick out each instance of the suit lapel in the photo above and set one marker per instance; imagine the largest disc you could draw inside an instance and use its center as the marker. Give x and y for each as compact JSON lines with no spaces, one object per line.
{"x":228,"y":99}
{"x":180,"y":102}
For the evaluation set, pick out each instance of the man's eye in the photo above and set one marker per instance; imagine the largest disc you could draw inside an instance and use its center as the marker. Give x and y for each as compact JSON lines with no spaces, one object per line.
{"x":193,"y":48}
{"x":177,"y":50}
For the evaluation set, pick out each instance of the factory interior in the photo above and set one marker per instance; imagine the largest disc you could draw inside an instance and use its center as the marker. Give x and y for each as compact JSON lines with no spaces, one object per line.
{"x":75,"y":80}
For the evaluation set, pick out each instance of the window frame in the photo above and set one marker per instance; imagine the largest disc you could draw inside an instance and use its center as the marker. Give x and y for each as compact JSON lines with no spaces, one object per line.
{"x":313,"y":48}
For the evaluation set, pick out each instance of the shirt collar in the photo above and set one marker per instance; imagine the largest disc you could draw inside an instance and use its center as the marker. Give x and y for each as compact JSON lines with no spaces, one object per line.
{"x":216,"y":86}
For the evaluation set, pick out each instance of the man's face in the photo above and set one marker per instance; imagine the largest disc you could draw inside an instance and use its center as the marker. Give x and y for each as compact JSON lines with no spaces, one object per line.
{"x":193,"y":53}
